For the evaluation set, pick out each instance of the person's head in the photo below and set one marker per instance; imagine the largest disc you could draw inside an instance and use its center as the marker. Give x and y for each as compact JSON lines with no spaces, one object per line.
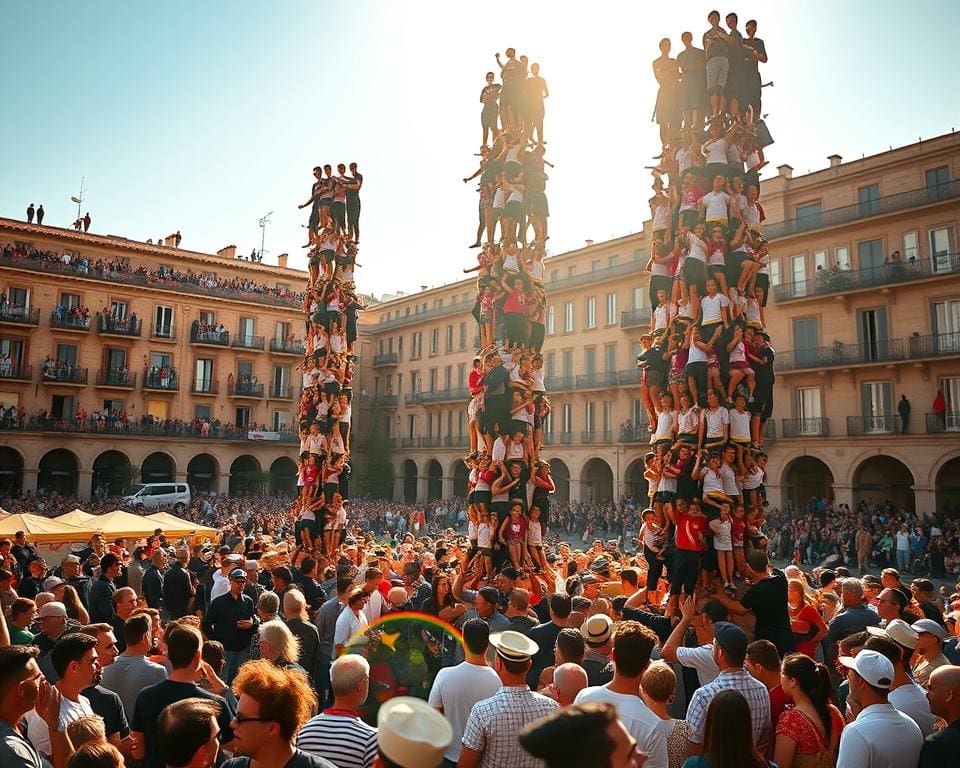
{"x":897,"y":637}
{"x":930,"y":637}
{"x":277,"y":642}
{"x":706,"y":619}
{"x":801,"y":676}
{"x":763,"y":662}
{"x":560,"y":606}
{"x":687,"y":39}
{"x":870,"y":674}
{"x":350,"y":680}
{"x":124,"y":602}
{"x":272,"y":704}
{"x":357,"y":598}
{"x":20,"y":678}
{"x":410,"y":733}
{"x":487,"y":599}
{"x":632,"y":646}
{"x":22,"y":612}
{"x":512,"y":657}
{"x":96,"y":755}
{"x":295,"y":605}
{"x":74,"y":657}
{"x":107,"y":649}
{"x":110,"y":566}
{"x":943,"y":692}
{"x":569,"y":647}
{"x":658,"y":684}
{"x":187,"y":733}
{"x":490,"y":77}
{"x":730,"y":646}
{"x":665,"y":46}
{"x":890,"y":578}
{"x":890,"y":604}
{"x":518,"y":602}
{"x":282,"y":578}
{"x":731,"y":20}
{"x":751,"y":27}
{"x":586,"y":735}
{"x":757,"y":564}
{"x":728,"y":732}
{"x":597,"y":631}
{"x":268,"y":605}
{"x":714,"y":17}
{"x":568,"y":680}
{"x":183,"y":646}
{"x":159,"y":559}
{"x":86,"y":730}
{"x":796,"y":595}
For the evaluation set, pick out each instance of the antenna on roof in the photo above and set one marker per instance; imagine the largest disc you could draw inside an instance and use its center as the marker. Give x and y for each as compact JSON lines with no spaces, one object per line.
{"x":264,"y":220}
{"x":79,"y":198}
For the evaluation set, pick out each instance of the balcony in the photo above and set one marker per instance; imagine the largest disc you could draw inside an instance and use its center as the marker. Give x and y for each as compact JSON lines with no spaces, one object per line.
{"x":209,"y":387}
{"x":594,"y":438}
{"x":111,"y":425}
{"x":638,"y":434}
{"x":934,"y":345}
{"x":248,"y":342}
{"x":903,"y":201}
{"x":163,"y":333}
{"x":560,"y":383}
{"x":940,"y":423}
{"x":443,"y":396}
{"x":634,"y":318}
{"x":840,"y":355}
{"x":597,"y":380}
{"x":68,"y":375}
{"x":456,"y":441}
{"x":245,"y":389}
{"x":387,"y":358}
{"x":381,"y":401}
{"x":566,"y":438}
{"x":886,"y":424}
{"x":430,"y":442}
{"x":281,"y":392}
{"x":161,"y":379}
{"x":11,"y":372}
{"x":116,"y":379}
{"x":818,"y":427}
{"x":110,"y":326}
{"x":848,"y":280}
{"x":18,"y":315}
{"x":408,"y":442}
{"x":282,"y":347}
{"x":210,"y":338}
{"x":64,"y":321}
{"x":629,"y":378}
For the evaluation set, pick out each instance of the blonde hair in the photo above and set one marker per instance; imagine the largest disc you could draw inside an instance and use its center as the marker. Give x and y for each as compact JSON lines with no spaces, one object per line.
{"x":294,"y":604}
{"x":659,"y":682}
{"x":282,"y":639}
{"x":86,"y":730}
{"x":93,"y":755}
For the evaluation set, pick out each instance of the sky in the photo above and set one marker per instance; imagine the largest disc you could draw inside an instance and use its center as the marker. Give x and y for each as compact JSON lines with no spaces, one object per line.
{"x":204,"y":116}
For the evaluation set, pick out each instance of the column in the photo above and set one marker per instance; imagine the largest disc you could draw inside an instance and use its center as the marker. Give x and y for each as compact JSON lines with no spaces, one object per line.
{"x":924,"y":501}
{"x":85,"y":484}
{"x":842,"y":494}
{"x":423,"y":488}
{"x":447,"y":487}
{"x":222,"y":481}
{"x":775,"y":496}
{"x":29,"y":481}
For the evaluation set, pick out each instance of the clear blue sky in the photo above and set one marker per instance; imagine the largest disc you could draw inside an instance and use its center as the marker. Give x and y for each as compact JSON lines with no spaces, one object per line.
{"x":203,"y":116}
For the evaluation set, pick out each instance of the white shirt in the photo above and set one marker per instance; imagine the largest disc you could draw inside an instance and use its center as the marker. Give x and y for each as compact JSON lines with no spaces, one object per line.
{"x":715,"y":205}
{"x":700,"y":659}
{"x":715,"y":421}
{"x":637,"y":718}
{"x":221,"y":585}
{"x":374,"y":606}
{"x":739,"y":425}
{"x":455,"y":690}
{"x":712,"y":308}
{"x":348,"y":624}
{"x":880,"y":737}
{"x":911,"y":699}
{"x":37,"y":730}
{"x":715,"y":151}
{"x":903,"y":540}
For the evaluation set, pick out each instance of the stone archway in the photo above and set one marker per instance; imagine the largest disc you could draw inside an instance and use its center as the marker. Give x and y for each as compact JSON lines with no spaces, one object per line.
{"x":596,"y":481}
{"x":948,"y":487}
{"x":202,"y":471}
{"x":636,"y":483}
{"x":246,"y":476}
{"x":460,"y":476}
{"x":409,"y":473}
{"x":158,"y":467}
{"x":434,"y":480}
{"x":884,"y":478}
{"x":11,"y":471}
{"x":113,"y":471}
{"x":560,"y":473}
{"x":806,"y":477}
{"x":59,"y":471}
{"x":283,"y":476}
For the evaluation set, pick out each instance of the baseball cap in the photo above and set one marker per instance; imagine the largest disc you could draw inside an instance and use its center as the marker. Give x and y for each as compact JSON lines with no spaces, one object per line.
{"x":872,"y":666}
{"x":411,"y":733}
{"x":897,"y":630}
{"x":51,"y":583}
{"x":238,"y":573}
{"x":930,"y":627}
{"x":730,"y":638}
{"x":597,"y":629}
{"x":53,"y":608}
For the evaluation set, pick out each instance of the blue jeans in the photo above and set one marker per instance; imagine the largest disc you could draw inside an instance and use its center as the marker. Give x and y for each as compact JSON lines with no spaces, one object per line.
{"x":903,"y":559}
{"x":232,"y":662}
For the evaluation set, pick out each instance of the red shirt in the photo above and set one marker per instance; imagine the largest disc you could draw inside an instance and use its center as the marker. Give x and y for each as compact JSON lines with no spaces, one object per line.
{"x":690,"y":531}
{"x":310,"y":475}
{"x":516,"y":302}
{"x":475,"y":382}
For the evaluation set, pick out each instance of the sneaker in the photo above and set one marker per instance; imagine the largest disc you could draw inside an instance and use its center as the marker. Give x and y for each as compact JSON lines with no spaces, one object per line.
{"x":750,"y":399}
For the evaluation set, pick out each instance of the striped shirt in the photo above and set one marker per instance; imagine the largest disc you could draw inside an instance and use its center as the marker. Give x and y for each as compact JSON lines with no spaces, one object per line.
{"x":494,"y":723}
{"x":340,"y":737}
{"x":755,"y":692}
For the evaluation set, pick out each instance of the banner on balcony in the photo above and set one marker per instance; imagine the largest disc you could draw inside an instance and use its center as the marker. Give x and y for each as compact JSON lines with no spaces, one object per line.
{"x":258,"y":434}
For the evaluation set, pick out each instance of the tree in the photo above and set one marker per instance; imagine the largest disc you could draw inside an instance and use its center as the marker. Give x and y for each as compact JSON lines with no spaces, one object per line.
{"x":378,"y":481}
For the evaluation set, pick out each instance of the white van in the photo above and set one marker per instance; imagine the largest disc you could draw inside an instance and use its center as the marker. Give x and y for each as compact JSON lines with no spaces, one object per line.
{"x":153,"y":495}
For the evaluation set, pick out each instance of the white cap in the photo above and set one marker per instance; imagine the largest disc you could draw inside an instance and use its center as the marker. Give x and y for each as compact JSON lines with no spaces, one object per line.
{"x":897,"y":630}
{"x":53,"y":608}
{"x":931,"y":628}
{"x":51,"y":582}
{"x":872,"y":666}
{"x":411,"y":733}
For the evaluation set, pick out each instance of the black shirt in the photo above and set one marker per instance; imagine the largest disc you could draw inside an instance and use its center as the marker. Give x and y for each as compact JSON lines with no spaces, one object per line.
{"x":768,"y":601}
{"x":176,"y":591}
{"x":151,"y":702}
{"x":108,"y":705}
{"x":750,"y":63}
{"x":220,"y":621}
{"x":299,"y":760}
{"x":941,"y":748}
{"x":765,"y":373}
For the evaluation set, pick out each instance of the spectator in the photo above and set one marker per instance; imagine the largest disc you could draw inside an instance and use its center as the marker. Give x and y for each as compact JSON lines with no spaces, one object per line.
{"x":729,"y":734}
{"x":581,"y":734}
{"x":278,"y":645}
{"x":809,"y":732}
{"x":22,"y":614}
{"x":351,"y":620}
{"x":456,"y":689}
{"x":101,"y":606}
{"x":569,"y":649}
{"x":298,"y":620}
{"x":942,"y":747}
{"x":272,"y":704}
{"x":567,"y":681}
{"x":701,"y":658}
{"x":338,"y":733}
{"x":231,"y":619}
{"x":897,"y":642}
{"x":327,"y":618}
{"x":188,"y":733}
{"x":123,"y":603}
{"x":178,"y":590}
{"x":545,"y":635}
{"x":53,"y":625}
{"x":658,"y":687}
{"x":131,"y":671}
{"x":881,"y":736}
{"x":597,"y":632}
{"x":903,"y":408}
{"x":153,"y":579}
{"x":855,"y":616}
{"x":632,"y":646}
{"x":106,"y":703}
{"x":763,"y":663}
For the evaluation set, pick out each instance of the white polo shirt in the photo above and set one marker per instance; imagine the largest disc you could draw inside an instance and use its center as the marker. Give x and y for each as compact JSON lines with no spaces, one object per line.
{"x":880,"y":737}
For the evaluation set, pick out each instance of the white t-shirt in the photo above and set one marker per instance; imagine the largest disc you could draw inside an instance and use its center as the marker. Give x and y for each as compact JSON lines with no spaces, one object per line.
{"x":698,"y":248}
{"x":739,"y":425}
{"x":37,"y":730}
{"x":456,"y":690}
{"x":911,"y":699}
{"x":715,"y":421}
{"x":903,"y":540}
{"x":715,"y":151}
{"x":721,"y":535}
{"x":637,"y":718}
{"x":484,"y":535}
{"x":665,"y":420}
{"x":700,"y":659}
{"x":348,"y":625}
{"x":711,"y":308}
{"x":715,"y":205}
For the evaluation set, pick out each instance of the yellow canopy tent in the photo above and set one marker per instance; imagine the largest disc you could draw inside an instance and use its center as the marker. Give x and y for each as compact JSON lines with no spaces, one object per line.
{"x":121,"y":524}
{"x":174,"y":526}
{"x":76,"y":517}
{"x":42,"y":530}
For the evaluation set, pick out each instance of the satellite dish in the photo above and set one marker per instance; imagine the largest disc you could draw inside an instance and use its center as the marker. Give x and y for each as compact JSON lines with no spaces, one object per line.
{"x":77,"y":200}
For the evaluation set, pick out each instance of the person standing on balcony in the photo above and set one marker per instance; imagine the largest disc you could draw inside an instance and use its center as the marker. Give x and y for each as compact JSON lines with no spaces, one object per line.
{"x":903,"y":408}
{"x":940,"y":409}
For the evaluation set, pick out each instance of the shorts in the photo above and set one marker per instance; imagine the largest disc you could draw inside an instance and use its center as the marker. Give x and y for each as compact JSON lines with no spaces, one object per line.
{"x":677,"y":378}
{"x":654,"y":378}
{"x":518,"y":425}
{"x":690,"y":217}
{"x":739,"y":365}
{"x":717,"y":70}
{"x":762,"y":405}
{"x":537,"y":204}
{"x":485,"y":551}
{"x":471,"y":497}
{"x":308,"y":525}
{"x":695,"y":274}
{"x":482,"y":497}
{"x":514,"y":210}
{"x":763,"y":283}
{"x":690,"y":438}
{"x":488,"y":117}
{"x":664,"y":497}
{"x":486,"y":199}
